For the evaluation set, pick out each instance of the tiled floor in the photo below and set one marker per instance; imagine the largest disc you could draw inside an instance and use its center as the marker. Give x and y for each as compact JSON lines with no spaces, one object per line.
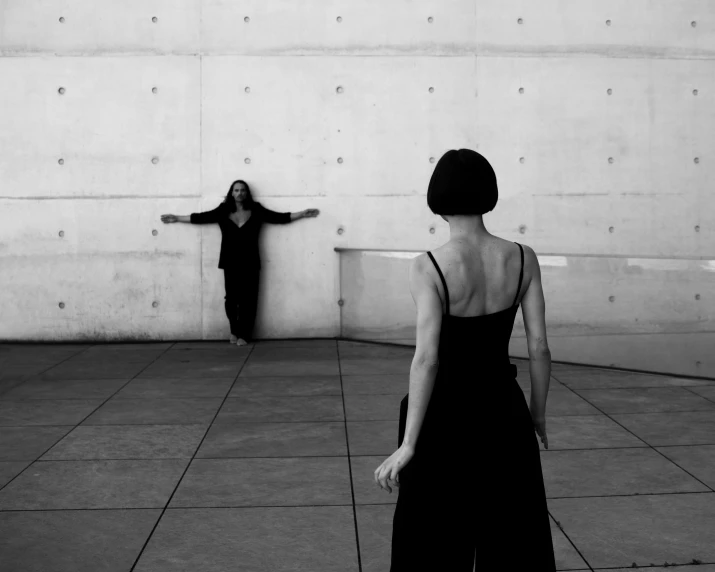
{"x":209,"y":457}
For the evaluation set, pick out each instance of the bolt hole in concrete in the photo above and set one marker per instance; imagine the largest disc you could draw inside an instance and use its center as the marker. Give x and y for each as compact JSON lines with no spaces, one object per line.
{"x":340,"y":160}
{"x":62,"y":305}
{"x":521,"y":90}
{"x":154,"y":304}
{"x":431,"y":230}
{"x":696,"y":160}
{"x":155,"y":160}
{"x":247,"y":19}
{"x":155,"y":19}
{"x":339,"y":89}
{"x":610,"y":229}
{"x":611,"y":298}
{"x":154,"y":232}
{"x":62,"y":20}
{"x":520,"y":21}
{"x":431,"y":159}
{"x":62,"y":233}
{"x":430,"y":19}
{"x":154,"y":90}
{"x":608,"y":22}
{"x":693,"y":23}
{"x":247,"y":160}
{"x":339,"y":19}
{"x":695,"y":92}
{"x":61,"y":161}
{"x":697,"y":228}
{"x":340,"y":230}
{"x":609,"y":91}
{"x":610,"y":159}
{"x":697,"y":296}
{"x":521,"y":159}
{"x":522,"y":228}
{"x":61,"y":91}
{"x":247,"y":90}
{"x":431,"y":90}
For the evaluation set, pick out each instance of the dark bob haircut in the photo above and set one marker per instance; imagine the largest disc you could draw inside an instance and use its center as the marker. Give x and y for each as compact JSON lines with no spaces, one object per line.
{"x":463,"y":183}
{"x":231,"y":203}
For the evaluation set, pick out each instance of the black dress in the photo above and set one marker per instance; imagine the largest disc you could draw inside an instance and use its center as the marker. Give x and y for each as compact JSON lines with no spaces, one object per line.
{"x":474,"y":487}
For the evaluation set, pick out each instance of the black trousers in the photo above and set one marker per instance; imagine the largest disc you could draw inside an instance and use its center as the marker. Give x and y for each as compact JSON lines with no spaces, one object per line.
{"x":241,"y":300}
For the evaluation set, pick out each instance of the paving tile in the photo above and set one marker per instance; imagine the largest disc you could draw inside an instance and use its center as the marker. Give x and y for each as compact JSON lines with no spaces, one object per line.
{"x":357,"y":350}
{"x":7,"y":385}
{"x":292,"y":368}
{"x":613,"y":472}
{"x":66,"y":389}
{"x":587,"y":432}
{"x":36,"y":353}
{"x":671,"y":428}
{"x":10,"y":469}
{"x":104,"y":369}
{"x":130,"y":347}
{"x":204,"y":356}
{"x":28,"y":443}
{"x":565,"y":403}
{"x":275,"y":409}
{"x":397,"y":384}
{"x":364,"y":486}
{"x":73,"y":540}
{"x":315,"y":539}
{"x":266,"y":354}
{"x":375,"y":366}
{"x":706,"y":391}
{"x":265,"y":482}
{"x":274,"y":440}
{"x":46,"y":412}
{"x":698,"y":460}
{"x":50,"y":485}
{"x":171,"y":411}
{"x":372,"y":437}
{"x":695,"y":568}
{"x":375,"y":531}
{"x":302,"y":343}
{"x":176,"y":387}
{"x":218,"y":368}
{"x":594,"y":379}
{"x":19,"y":372}
{"x":220,"y":345}
{"x":128,"y":442}
{"x":618,"y":531}
{"x":373,"y":407}
{"x":645,"y":400}
{"x":287,"y":386}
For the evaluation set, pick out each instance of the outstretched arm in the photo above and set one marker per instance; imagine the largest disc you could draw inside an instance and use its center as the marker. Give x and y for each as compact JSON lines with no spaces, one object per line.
{"x":207,"y":217}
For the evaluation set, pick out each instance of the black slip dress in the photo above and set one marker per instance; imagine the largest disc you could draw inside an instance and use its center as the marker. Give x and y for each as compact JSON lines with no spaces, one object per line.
{"x":472,"y":497}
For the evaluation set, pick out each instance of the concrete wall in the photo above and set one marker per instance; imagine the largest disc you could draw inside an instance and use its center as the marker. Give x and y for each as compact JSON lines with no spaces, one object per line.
{"x":526,"y":83}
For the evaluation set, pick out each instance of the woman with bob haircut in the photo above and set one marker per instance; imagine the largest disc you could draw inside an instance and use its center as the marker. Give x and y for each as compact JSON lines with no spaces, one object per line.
{"x":240,"y":219}
{"x":467,"y":464}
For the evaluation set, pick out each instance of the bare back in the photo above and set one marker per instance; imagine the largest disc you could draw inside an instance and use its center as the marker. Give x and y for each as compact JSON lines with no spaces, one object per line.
{"x":482,"y":279}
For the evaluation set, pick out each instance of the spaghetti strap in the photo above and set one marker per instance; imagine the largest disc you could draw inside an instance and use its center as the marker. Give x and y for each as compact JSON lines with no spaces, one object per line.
{"x":521,"y":274}
{"x":444,"y":282}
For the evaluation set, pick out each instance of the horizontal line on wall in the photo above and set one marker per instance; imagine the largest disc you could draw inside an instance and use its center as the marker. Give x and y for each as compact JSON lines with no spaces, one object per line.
{"x":539,"y":254}
{"x":98,"y":198}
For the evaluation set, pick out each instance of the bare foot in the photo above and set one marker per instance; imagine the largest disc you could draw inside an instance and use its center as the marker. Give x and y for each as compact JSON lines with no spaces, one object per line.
{"x":233,"y":339}
{"x":241,"y":342}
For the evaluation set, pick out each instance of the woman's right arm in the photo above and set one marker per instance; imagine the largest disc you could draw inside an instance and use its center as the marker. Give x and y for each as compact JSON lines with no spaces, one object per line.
{"x":533,"y":311}
{"x":167,"y":218}
{"x":207,"y":217}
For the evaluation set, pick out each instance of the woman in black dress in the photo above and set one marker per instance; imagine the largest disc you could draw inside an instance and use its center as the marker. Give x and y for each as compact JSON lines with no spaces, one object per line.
{"x":240,"y":219}
{"x":471,"y":487}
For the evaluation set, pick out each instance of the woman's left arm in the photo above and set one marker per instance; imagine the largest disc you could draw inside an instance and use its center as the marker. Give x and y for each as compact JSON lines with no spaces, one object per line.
{"x":423,"y":371}
{"x":274,"y":217}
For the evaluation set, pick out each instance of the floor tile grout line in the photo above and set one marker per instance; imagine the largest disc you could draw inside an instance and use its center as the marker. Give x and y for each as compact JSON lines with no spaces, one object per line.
{"x":77,"y":424}
{"x":568,"y":538}
{"x":350,"y":467}
{"x":191,"y":460}
{"x":644,"y":441}
{"x":687,"y":388}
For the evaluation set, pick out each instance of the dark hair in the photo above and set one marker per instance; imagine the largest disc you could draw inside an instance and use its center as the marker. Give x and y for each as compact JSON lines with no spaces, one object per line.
{"x":231,"y":203}
{"x":463,"y":183}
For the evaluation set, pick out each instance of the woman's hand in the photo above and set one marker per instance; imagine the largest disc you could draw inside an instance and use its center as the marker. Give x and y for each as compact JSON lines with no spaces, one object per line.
{"x":167,"y":218}
{"x":309,"y":213}
{"x":540,"y":428}
{"x":388,"y":472}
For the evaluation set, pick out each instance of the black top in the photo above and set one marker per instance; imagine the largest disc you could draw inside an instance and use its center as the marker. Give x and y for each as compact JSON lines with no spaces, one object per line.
{"x":239,"y":245}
